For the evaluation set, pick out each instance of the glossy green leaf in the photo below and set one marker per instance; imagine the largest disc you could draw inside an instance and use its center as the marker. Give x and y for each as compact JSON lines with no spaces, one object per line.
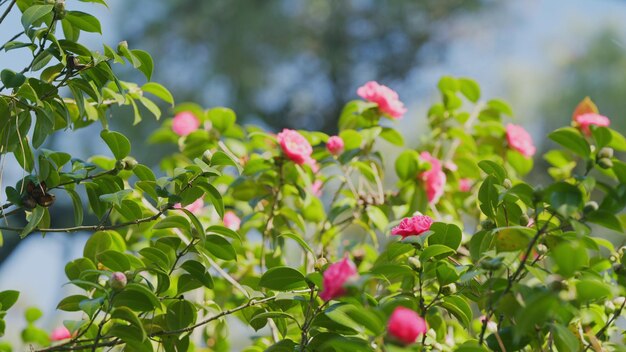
{"x":282,"y":278}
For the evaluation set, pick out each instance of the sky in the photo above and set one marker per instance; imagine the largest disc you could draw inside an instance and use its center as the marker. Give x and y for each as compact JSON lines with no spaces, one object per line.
{"x":512,"y":55}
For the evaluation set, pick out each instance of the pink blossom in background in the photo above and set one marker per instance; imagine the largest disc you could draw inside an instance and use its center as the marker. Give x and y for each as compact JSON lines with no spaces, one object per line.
{"x":434,"y":179}
{"x":194,"y":208}
{"x":465,"y":185}
{"x":184,"y":123}
{"x":60,"y":333}
{"x":450,"y":166}
{"x":413,"y":226}
{"x":386,"y":98}
{"x":520,"y":140}
{"x":335,"y":145}
{"x":315,"y":167}
{"x":335,"y":277}
{"x":295,"y":146}
{"x":406,"y":325}
{"x":585,"y":120}
{"x":316,"y":188}
{"x":232,"y":221}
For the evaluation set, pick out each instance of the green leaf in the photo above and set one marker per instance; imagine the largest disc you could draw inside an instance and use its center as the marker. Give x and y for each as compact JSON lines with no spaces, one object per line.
{"x":494,"y":169}
{"x":565,"y":198}
{"x":127,"y":315}
{"x":146,"y":64}
{"x":282,"y":278}
{"x":564,"y":339}
{"x":102,"y":241}
{"x":225,"y":231}
{"x":470,"y":89}
{"x":601,"y":135}
{"x":35,"y":218}
{"x":156,"y":256}
{"x":459,"y":307}
{"x":136,"y":297}
{"x":116,"y":198}
{"x":78,"y":206}
{"x":117,"y":142}
{"x":407,"y":165}
{"x":32,"y":314}
{"x":8,"y":299}
{"x":606,"y":219}
{"x":488,"y":196}
{"x":259,"y":318}
{"x":300,"y":241}
{"x":12,"y":79}
{"x":436,"y":251}
{"x":35,"y":13}
{"x":591,"y":290}
{"x":571,"y":139}
{"x":377,"y":217}
{"x":220,"y":247}
{"x":174,"y":221}
{"x":511,"y":239}
{"x":180,"y":314}
{"x":198,"y":272}
{"x":447,"y":234}
{"x":159,"y":91}
{"x":83,"y":21}
{"x":71,"y":303}
{"x":214,"y":195}
{"x":221,"y":118}
{"x":114,"y":260}
{"x":570,"y":256}
{"x":392,"y":136}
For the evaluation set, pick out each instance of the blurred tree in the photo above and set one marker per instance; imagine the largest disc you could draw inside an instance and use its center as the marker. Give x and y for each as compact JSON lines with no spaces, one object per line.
{"x":291,"y":63}
{"x":598,"y":71}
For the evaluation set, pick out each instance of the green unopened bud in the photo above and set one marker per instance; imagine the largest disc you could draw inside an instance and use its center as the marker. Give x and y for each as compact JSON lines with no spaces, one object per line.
{"x":556,"y":283}
{"x":59,"y":6}
{"x":487,"y":225}
{"x":590,"y":206}
{"x":618,"y":301}
{"x":609,"y":307}
{"x":122,"y":44}
{"x":507,"y":183}
{"x":605,"y":163}
{"x":129,"y":163}
{"x":621,"y":251}
{"x":118,"y":281}
{"x":448,"y":289}
{"x":491,"y":264}
{"x":120,"y":165}
{"x":415,"y":263}
{"x":605,"y":152}
{"x":542,"y":249}
{"x":613,"y":258}
{"x":524,"y":220}
{"x":207,"y":156}
{"x":320,"y":263}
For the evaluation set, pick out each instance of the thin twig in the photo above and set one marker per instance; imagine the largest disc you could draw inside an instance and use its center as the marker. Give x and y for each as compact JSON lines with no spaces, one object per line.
{"x":6,"y":12}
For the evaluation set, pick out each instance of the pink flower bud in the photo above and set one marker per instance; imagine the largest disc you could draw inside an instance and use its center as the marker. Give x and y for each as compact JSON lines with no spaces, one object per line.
{"x":406,"y":325}
{"x":316,"y":188}
{"x":335,"y":277}
{"x":465,"y":185}
{"x":117,"y":281}
{"x":295,"y":146}
{"x":434,"y":179}
{"x":60,"y":333}
{"x":413,"y":226}
{"x":585,"y":120}
{"x":195,"y":207}
{"x":335,"y":145}
{"x":184,"y":123}
{"x":386,"y":98}
{"x":231,"y":220}
{"x":520,"y":140}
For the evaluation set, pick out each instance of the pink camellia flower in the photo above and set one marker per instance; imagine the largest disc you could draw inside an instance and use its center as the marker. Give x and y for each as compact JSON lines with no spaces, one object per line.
{"x":60,"y":333}
{"x":413,"y":226}
{"x":434,"y":179}
{"x":194,"y":208}
{"x":465,"y":185}
{"x":585,"y":120}
{"x":520,"y":140}
{"x":386,"y":98}
{"x":184,"y":123}
{"x":232,"y":221}
{"x":315,"y":167}
{"x":335,"y":277}
{"x":316,"y":188}
{"x":335,"y":145}
{"x":406,"y":325}
{"x":295,"y":146}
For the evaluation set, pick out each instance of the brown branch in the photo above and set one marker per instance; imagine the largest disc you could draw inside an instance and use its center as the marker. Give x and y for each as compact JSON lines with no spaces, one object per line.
{"x":6,"y":12}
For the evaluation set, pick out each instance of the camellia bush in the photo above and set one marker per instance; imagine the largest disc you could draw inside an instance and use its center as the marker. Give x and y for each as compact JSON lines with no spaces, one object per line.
{"x":304,"y":241}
